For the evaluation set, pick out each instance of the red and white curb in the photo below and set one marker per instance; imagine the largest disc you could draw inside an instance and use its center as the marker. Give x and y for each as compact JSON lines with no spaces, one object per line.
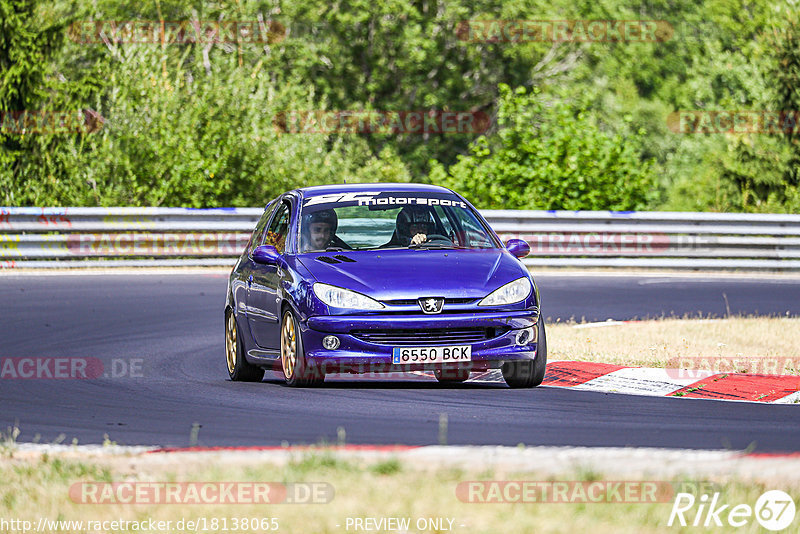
{"x":608,"y":378}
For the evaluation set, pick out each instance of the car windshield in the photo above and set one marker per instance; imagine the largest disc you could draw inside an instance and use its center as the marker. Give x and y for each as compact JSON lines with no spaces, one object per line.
{"x":381,"y":220}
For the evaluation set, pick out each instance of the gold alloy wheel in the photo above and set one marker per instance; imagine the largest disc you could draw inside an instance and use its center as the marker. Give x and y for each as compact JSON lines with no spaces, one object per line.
{"x":231,"y":341}
{"x":288,"y":346}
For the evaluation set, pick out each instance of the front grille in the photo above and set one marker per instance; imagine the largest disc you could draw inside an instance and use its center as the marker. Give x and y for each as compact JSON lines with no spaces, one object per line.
{"x":413,"y":302}
{"x":433,"y":336}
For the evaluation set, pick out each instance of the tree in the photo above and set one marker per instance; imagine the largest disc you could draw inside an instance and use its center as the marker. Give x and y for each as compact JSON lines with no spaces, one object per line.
{"x":786,"y":73}
{"x":765,"y":165}
{"x":27,"y":42}
{"x":550,"y":155}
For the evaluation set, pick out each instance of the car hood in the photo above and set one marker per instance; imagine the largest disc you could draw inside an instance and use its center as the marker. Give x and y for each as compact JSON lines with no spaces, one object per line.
{"x":407,"y":273}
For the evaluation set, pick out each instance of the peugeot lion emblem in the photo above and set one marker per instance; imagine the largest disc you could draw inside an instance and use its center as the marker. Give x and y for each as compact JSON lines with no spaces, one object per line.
{"x":431,"y":304}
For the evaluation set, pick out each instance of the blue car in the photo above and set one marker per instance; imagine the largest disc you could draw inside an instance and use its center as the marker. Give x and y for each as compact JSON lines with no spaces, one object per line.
{"x":377,"y":278}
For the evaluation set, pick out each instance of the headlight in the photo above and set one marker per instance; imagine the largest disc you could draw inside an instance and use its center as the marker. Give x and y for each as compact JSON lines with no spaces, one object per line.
{"x":337,"y":297}
{"x":510,"y":293}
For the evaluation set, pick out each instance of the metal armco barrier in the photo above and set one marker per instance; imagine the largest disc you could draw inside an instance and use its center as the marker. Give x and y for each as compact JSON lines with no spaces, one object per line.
{"x":108,"y":237}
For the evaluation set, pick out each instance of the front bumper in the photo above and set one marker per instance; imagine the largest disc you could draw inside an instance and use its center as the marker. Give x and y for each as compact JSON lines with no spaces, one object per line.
{"x":357,"y":355}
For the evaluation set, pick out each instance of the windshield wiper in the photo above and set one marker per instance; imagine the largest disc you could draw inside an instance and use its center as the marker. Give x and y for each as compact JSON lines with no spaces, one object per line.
{"x":435,"y":245}
{"x":334,"y":249}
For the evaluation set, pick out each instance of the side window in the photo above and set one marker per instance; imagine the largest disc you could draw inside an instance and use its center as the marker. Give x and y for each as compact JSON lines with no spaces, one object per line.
{"x":276,"y":233}
{"x":255,"y":239}
{"x":470,"y":233}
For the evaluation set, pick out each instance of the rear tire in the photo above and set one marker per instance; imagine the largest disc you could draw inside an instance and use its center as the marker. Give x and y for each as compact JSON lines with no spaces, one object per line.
{"x":239,"y":369}
{"x":529,"y":373}
{"x":451,"y":375}
{"x":296,"y":371}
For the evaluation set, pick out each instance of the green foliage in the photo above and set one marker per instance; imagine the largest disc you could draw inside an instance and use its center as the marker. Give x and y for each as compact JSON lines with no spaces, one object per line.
{"x":187,"y":127}
{"x":192,"y":123}
{"x":387,"y":467}
{"x":550,"y":155}
{"x":25,"y":50}
{"x":28,"y":39}
{"x":786,"y":74}
{"x":761,"y":172}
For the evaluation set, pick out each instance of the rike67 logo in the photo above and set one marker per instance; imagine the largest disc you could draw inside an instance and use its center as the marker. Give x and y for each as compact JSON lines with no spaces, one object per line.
{"x":774,"y":510}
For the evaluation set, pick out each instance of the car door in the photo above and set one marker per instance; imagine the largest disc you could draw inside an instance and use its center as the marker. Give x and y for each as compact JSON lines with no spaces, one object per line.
{"x":240,"y":287}
{"x":262,"y":293}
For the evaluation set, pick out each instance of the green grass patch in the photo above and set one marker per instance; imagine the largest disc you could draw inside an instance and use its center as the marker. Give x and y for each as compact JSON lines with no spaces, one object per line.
{"x":36,"y":487}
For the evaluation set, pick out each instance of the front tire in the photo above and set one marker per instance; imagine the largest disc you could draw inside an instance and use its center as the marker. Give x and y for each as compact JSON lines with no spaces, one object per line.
{"x":296,"y":371}
{"x":529,"y":373}
{"x":239,"y":369}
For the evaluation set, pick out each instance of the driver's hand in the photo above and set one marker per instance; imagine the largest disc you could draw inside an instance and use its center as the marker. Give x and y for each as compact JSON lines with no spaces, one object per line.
{"x":419,"y":238}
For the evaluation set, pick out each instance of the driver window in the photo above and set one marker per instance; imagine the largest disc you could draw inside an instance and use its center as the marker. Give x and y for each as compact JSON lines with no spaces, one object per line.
{"x":255,"y":239}
{"x":278,"y":228}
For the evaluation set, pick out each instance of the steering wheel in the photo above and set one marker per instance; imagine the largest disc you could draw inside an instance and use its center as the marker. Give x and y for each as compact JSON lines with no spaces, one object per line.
{"x":431,"y":238}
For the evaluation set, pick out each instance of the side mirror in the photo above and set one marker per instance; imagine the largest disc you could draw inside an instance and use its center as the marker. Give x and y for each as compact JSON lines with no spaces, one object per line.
{"x":266,"y":255}
{"x":518,"y":247}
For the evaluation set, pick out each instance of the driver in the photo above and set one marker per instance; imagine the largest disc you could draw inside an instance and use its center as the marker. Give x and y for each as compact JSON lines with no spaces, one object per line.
{"x":319,"y":229}
{"x":414,"y":224}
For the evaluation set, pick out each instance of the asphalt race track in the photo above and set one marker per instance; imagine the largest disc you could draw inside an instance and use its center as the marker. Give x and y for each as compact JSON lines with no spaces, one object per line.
{"x":170,"y":329}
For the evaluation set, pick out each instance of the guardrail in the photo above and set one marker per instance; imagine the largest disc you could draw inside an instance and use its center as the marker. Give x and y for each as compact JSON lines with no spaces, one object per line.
{"x":106,"y":237}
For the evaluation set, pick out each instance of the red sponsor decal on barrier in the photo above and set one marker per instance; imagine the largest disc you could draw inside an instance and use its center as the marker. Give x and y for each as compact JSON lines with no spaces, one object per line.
{"x":176,"y":32}
{"x":41,"y":367}
{"x":147,"y":244}
{"x":571,"y":491}
{"x":9,"y":264}
{"x":734,"y":122}
{"x":5,"y":217}
{"x":382,"y":122}
{"x":581,"y":31}
{"x":698,"y":367}
{"x":54,"y":218}
{"x":200,"y":493}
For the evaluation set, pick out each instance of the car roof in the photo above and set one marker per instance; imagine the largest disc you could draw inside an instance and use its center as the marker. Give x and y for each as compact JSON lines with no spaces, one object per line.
{"x":380,"y":187}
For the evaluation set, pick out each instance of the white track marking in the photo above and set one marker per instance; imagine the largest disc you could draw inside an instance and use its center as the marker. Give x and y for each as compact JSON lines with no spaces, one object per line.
{"x":642,"y":381}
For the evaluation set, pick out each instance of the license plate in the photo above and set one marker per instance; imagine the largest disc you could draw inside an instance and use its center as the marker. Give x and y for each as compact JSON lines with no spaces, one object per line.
{"x":407,"y":355}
